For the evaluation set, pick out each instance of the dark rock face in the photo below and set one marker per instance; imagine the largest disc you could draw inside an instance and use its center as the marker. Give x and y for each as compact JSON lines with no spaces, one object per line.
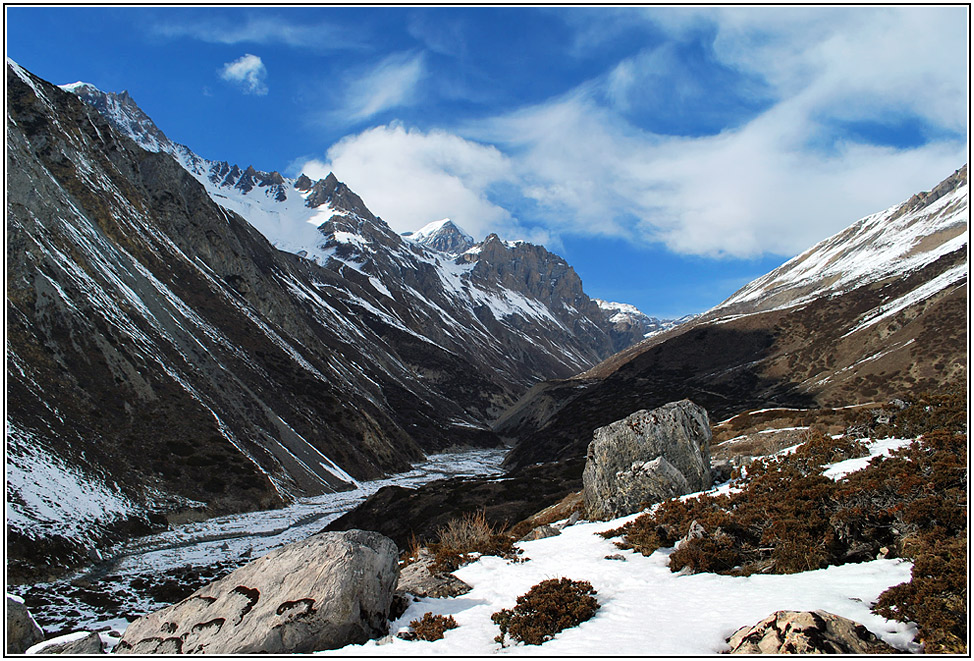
{"x":22,"y":630}
{"x":326,"y":592}
{"x":645,"y":458}
{"x":806,"y":632}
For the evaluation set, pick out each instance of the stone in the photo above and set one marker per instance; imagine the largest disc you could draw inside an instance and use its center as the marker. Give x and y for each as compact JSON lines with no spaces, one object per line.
{"x":645,"y":458}
{"x":419,"y":579}
{"x":541,"y":532}
{"x":22,"y":630}
{"x":328,"y":591}
{"x":77,"y":644}
{"x":806,"y":632}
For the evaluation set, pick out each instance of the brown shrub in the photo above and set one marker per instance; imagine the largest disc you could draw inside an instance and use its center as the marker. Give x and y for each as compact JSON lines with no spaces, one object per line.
{"x":462,"y":537}
{"x":431,"y":627}
{"x":546,"y":609}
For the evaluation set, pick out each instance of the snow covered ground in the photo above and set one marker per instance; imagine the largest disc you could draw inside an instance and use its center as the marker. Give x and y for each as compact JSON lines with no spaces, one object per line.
{"x":646,"y":610}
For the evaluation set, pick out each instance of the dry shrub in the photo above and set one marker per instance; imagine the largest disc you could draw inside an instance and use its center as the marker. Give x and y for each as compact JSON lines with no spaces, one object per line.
{"x":431,"y":627}
{"x":546,"y":609}
{"x":462,"y":537}
{"x":789,"y":518}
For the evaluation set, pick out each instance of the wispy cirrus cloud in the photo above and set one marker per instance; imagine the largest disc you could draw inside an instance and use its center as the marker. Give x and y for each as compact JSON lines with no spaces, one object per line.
{"x":259,"y":29}
{"x":391,"y":82}
{"x":248,"y":72}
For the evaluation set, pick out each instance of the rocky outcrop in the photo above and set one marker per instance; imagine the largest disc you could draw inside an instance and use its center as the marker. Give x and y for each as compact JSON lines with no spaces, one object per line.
{"x":325,"y":592}
{"x":648,"y":457}
{"x":22,"y":630}
{"x":806,"y":632}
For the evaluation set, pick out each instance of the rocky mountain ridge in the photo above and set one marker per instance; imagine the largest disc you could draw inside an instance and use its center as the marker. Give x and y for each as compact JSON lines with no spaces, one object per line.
{"x":168,"y":315}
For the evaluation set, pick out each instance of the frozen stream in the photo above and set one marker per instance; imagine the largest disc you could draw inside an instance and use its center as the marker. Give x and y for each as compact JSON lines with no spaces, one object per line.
{"x":150,"y":572}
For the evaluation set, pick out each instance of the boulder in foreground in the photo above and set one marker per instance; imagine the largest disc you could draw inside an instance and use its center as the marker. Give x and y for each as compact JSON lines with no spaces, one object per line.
{"x":806,"y":632}
{"x":330,"y":590}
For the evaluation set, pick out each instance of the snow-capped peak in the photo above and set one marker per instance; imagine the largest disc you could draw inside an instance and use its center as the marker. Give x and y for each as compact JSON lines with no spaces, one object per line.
{"x":887,"y":244}
{"x":442,"y":235}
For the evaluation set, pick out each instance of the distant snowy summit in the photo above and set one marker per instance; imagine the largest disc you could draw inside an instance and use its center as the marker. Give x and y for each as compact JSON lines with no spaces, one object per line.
{"x":444,"y":236}
{"x":629,"y":319}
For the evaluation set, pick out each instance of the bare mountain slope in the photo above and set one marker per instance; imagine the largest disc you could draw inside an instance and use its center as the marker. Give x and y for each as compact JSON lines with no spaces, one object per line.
{"x":876,"y":311}
{"x":168,"y":354}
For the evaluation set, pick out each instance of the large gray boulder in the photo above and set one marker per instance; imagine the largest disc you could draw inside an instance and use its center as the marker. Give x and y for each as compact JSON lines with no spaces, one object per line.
{"x":22,"y":630}
{"x":330,"y":590}
{"x":806,"y":632}
{"x":647,"y":457}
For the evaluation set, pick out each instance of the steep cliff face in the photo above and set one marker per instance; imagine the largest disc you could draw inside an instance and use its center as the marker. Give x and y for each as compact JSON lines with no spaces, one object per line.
{"x":874,"y":312}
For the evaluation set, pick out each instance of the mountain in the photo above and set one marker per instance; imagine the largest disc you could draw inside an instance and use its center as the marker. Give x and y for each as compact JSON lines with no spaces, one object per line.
{"x":628,"y":320}
{"x":187,"y":338}
{"x":444,"y":236}
{"x":877,"y":311}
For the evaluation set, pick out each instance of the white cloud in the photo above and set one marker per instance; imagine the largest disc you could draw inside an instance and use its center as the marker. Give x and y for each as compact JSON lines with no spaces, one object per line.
{"x":390,"y":83}
{"x":775,"y":181}
{"x":411,"y":177}
{"x":248,"y":71}
{"x":259,"y":29}
{"x":781,"y":180}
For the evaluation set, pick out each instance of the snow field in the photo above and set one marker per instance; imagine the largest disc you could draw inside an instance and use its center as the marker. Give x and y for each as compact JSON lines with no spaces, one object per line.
{"x":645,"y":608}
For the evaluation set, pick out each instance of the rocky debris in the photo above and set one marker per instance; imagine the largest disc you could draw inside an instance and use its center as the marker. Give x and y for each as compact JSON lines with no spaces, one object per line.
{"x":541,"y":532}
{"x":325,"y":592}
{"x":806,"y":632}
{"x":22,"y":630}
{"x":419,"y":579}
{"x":77,"y":644}
{"x":645,"y":458}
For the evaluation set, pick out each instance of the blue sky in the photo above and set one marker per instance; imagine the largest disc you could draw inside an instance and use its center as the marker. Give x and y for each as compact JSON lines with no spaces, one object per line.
{"x":669,"y":154}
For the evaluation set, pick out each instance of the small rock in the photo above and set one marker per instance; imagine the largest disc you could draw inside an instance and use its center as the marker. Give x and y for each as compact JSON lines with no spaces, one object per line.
{"x":541,"y":532}
{"x":806,"y":632}
{"x":73,"y":644}
{"x":419,"y":579}
{"x":616,"y":556}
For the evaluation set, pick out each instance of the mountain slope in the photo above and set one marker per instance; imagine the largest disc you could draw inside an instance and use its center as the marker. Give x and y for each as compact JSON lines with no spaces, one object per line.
{"x":877,"y":311}
{"x":535,"y":323}
{"x":168,"y":356}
